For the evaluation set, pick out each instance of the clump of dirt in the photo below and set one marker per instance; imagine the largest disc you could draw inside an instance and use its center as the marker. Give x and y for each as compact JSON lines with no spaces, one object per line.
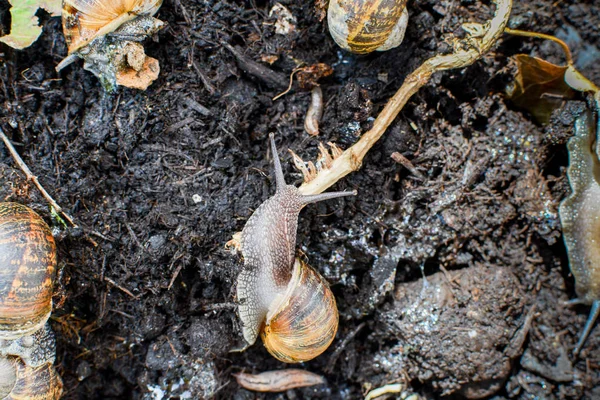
{"x":158,"y":181}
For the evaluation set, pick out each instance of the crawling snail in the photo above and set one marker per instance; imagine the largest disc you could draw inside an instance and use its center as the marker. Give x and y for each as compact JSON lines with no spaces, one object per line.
{"x":363,"y":26}
{"x":19,"y":381}
{"x":580,"y":217}
{"x":27,"y":275}
{"x":280,"y":296}
{"x":107,"y":35}
{"x":86,"y":20}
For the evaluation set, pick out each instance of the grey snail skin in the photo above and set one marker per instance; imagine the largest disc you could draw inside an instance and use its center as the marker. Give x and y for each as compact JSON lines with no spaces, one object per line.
{"x":279,"y":296}
{"x":580,"y":218}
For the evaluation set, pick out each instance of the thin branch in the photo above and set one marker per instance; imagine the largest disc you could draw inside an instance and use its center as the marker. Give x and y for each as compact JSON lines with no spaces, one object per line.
{"x":538,"y":35}
{"x":351,"y":159}
{"x":34,"y":178}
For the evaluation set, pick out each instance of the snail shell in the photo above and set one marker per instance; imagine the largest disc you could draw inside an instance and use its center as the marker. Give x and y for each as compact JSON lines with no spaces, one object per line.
{"x":19,"y":381}
{"x":285,"y":298}
{"x":27,"y":271}
{"x":300,"y":329}
{"x":86,"y":20}
{"x":363,"y":26}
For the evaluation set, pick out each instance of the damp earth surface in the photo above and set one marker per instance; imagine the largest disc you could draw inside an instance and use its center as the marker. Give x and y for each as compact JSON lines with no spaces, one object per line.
{"x":451,"y":280}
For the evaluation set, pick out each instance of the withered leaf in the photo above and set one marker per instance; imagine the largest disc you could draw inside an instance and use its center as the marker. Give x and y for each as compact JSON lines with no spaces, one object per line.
{"x":539,"y":86}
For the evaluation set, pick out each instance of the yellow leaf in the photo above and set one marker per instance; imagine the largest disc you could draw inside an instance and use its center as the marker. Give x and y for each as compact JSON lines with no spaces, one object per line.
{"x":24,"y":28}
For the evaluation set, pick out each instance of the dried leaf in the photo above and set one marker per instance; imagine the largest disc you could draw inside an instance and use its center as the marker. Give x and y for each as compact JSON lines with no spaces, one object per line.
{"x":539,"y":86}
{"x":308,"y":76}
{"x":24,"y":28}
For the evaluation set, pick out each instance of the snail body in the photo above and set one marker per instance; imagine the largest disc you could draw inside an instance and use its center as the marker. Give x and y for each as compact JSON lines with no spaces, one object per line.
{"x":86,"y":20}
{"x":580,"y":217}
{"x":19,"y":381}
{"x":278,"y":294}
{"x":363,"y":26}
{"x":106,"y":34}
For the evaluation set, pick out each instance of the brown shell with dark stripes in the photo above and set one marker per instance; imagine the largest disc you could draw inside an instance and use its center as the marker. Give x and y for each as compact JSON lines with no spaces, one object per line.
{"x":27,"y":271}
{"x":363,"y":26}
{"x":306,"y":320}
{"x":24,"y":382}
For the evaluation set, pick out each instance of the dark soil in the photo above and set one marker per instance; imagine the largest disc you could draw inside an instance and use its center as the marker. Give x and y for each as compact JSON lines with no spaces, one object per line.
{"x":158,"y":181}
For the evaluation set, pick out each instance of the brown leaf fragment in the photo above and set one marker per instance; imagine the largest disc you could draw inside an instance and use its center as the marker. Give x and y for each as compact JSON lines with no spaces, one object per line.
{"x":539,"y":86}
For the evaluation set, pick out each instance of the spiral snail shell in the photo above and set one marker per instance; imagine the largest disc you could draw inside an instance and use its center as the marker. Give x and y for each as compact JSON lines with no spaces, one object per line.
{"x":280,"y":296}
{"x":19,"y":381}
{"x":363,"y":26}
{"x":27,"y":271}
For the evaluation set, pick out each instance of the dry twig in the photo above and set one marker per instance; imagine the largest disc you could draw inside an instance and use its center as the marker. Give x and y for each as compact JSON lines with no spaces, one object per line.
{"x":34,"y":178}
{"x":476,"y":47}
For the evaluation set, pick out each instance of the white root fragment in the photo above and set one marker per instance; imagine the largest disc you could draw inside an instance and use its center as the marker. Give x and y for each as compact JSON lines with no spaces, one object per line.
{"x":351,"y":159}
{"x":315,"y":112}
{"x":278,"y":381}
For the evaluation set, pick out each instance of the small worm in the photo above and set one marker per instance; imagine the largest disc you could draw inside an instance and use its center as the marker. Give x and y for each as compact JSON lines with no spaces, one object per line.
{"x":315,"y":112}
{"x":278,"y":381}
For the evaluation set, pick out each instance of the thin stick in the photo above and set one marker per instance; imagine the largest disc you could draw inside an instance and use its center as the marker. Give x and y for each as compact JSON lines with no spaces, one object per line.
{"x":121,"y":288}
{"x":562,"y":44}
{"x":34,"y":178}
{"x":351,"y":159}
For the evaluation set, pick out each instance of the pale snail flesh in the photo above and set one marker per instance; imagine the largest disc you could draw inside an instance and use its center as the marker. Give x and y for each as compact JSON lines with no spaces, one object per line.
{"x":580,"y":217}
{"x":363,"y":26}
{"x":19,"y":381}
{"x":269,"y":288}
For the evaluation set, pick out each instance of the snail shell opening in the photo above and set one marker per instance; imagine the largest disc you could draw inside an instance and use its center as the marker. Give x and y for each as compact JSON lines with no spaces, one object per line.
{"x":27,"y":271}
{"x":304,"y":321}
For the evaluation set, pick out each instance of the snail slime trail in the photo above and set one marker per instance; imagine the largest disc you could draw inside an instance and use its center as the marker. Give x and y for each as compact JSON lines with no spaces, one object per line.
{"x":277,"y":292}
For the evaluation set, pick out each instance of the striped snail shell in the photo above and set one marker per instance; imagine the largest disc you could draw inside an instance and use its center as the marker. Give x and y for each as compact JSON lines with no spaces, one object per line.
{"x":27,"y":271}
{"x":304,"y":322}
{"x":363,"y":26}
{"x":19,"y":381}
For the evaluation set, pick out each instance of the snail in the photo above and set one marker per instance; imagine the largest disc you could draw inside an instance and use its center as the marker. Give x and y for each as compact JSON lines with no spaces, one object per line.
{"x":19,"y":381}
{"x":363,"y":26}
{"x":27,"y":275}
{"x":280,"y":296}
{"x":86,"y":20}
{"x":580,"y":218}
{"x":106,"y":34}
